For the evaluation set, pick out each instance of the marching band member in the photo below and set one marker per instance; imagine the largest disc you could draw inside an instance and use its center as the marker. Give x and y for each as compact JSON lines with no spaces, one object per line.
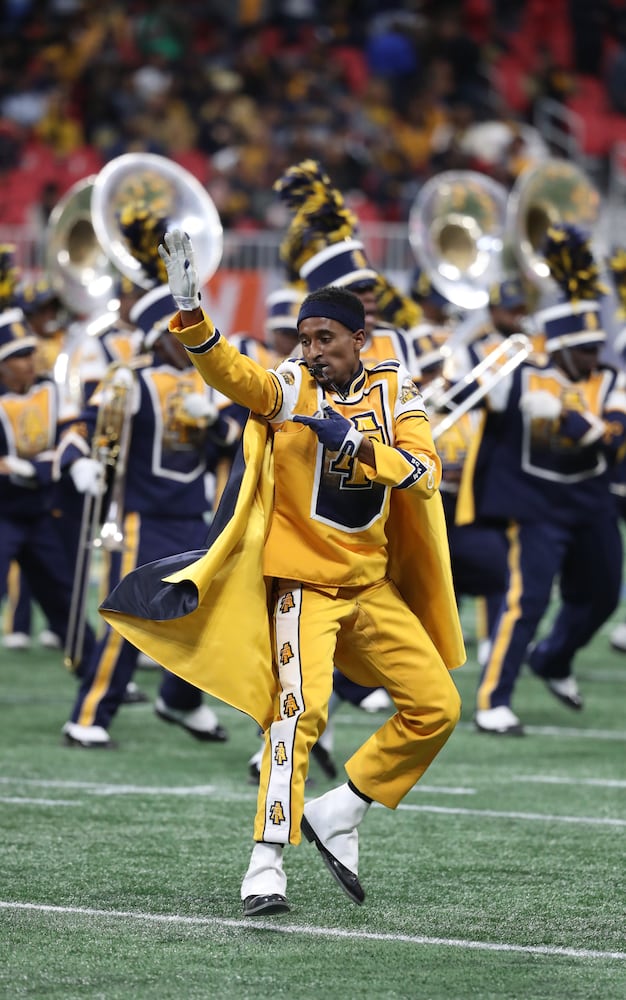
{"x":541,"y":469}
{"x":41,"y":306}
{"x":331,"y":573}
{"x":175,"y":439}
{"x":31,"y":417}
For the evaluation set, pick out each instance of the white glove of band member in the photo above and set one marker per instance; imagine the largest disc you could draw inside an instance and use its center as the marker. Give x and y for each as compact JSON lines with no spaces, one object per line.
{"x":88,"y":476}
{"x":199,"y":407}
{"x":182,"y":274}
{"x":19,"y":466}
{"x":539,"y":404}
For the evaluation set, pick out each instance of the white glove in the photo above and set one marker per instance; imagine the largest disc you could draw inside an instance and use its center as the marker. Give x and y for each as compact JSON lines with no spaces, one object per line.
{"x":539,"y":404}
{"x":88,"y":476}
{"x":199,"y":407}
{"x":182,"y":274}
{"x":19,"y":466}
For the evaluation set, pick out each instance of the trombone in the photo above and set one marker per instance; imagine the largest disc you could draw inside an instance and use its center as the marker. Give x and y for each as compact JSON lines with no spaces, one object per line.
{"x":110,"y":445}
{"x":499,"y":363}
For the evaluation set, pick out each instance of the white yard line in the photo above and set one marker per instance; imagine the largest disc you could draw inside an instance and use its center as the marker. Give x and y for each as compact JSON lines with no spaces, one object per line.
{"x":495,"y":814}
{"x":15,"y":800}
{"x":223,"y":794}
{"x":311,"y":931}
{"x":546,"y":779}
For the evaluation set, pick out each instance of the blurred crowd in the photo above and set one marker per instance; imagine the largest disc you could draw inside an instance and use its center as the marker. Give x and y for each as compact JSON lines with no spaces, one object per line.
{"x":383,"y":95}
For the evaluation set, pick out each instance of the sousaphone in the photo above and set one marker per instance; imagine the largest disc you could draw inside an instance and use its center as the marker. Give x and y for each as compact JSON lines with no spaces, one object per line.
{"x":166,"y":190}
{"x":456,"y":230}
{"x":554,"y":191}
{"x":78,"y":267}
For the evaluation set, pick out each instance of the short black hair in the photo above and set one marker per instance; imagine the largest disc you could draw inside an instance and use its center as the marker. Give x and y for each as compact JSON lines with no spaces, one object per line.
{"x":334,"y":302}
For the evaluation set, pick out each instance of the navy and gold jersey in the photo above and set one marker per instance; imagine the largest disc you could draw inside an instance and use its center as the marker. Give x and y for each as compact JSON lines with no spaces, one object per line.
{"x":527,"y":465}
{"x":91,"y":359}
{"x":119,"y":342}
{"x":170,"y":453}
{"x":329,"y":513}
{"x":29,"y":427}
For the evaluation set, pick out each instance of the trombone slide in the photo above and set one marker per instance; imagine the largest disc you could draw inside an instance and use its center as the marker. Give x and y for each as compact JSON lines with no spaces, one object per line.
{"x":519,"y":347}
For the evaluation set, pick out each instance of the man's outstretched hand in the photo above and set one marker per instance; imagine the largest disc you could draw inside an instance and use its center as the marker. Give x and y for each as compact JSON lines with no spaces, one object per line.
{"x":334,"y":431}
{"x":177,"y":254}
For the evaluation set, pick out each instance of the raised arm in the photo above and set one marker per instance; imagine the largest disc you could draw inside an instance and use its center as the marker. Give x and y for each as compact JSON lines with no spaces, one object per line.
{"x":221,"y":365}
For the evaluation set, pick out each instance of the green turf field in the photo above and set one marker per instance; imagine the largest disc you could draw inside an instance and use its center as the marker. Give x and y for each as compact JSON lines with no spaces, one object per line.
{"x":502,"y":875}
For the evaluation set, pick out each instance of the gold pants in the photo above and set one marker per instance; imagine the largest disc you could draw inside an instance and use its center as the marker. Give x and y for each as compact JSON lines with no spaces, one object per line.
{"x":372,"y":636}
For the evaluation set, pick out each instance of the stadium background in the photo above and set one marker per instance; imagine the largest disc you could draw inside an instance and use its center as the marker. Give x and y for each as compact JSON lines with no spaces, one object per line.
{"x":237,"y":92}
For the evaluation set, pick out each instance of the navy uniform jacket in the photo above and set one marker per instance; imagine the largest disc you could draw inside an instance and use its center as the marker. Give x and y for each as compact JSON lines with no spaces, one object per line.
{"x":523,"y":467}
{"x":170,"y":453}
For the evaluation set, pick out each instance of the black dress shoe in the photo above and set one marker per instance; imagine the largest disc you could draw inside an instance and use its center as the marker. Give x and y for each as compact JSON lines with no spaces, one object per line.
{"x":563,"y":688}
{"x":348,"y":881}
{"x":261,"y":906}
{"x":200,"y":722}
{"x":566,"y":690}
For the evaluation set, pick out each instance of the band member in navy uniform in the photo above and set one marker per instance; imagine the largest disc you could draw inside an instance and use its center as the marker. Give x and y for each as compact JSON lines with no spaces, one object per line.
{"x":30,"y":421}
{"x":541,"y":467}
{"x":175,"y":440}
{"x":42,"y":309}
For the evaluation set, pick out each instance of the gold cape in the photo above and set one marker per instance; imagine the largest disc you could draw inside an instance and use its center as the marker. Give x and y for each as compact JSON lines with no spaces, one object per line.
{"x":204,"y":615}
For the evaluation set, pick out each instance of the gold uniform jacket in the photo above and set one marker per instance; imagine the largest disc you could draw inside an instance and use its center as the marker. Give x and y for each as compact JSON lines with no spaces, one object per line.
{"x":293,"y":510}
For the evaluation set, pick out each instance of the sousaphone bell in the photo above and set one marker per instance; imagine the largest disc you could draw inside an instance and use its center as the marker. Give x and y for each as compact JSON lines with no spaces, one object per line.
{"x":167,"y":191}
{"x":456,"y":230}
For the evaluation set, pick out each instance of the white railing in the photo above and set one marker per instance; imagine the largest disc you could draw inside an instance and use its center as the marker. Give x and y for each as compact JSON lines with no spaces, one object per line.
{"x":387,"y":246}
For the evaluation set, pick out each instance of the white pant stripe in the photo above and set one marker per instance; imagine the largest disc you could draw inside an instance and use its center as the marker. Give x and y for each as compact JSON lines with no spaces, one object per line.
{"x":282,"y":733}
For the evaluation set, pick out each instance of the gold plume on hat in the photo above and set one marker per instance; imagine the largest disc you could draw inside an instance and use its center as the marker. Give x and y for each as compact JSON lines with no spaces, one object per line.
{"x":572,"y":265}
{"x":320,"y":215}
{"x":321,"y":218}
{"x":394,"y":307}
{"x":143,"y":229}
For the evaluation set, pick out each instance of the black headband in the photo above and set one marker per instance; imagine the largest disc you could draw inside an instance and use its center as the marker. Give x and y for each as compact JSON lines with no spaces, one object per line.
{"x":351,"y":316}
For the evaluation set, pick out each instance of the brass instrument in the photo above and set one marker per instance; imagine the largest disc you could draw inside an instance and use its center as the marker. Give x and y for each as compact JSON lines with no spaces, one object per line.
{"x":165,"y":189}
{"x":79,"y":269}
{"x":456,"y":231}
{"x":110,"y":444}
{"x":493,"y":368}
{"x":554,"y":191}
{"x":83,"y":277}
